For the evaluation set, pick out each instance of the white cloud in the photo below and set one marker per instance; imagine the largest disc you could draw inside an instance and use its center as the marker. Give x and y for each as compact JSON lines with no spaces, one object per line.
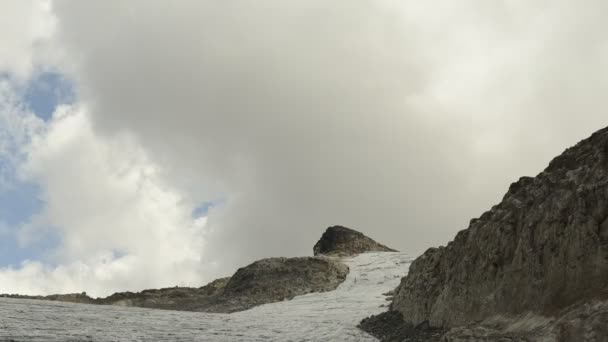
{"x":17,"y":126}
{"x":400,"y":118}
{"x":122,"y":226}
{"x":26,"y":27}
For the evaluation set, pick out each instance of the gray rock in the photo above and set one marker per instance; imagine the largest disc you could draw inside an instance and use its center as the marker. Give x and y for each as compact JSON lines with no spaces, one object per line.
{"x":276,"y":279}
{"x":342,"y":241}
{"x":264,"y":281}
{"x":390,"y":327}
{"x":543,"y":249}
{"x":581,"y":322}
{"x":171,"y":298}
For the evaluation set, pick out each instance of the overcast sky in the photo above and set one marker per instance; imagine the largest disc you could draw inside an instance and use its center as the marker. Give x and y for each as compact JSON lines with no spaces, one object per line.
{"x":160,"y":143}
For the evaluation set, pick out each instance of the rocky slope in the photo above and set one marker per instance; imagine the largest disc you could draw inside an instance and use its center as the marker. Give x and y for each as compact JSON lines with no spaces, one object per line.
{"x":533,"y":268}
{"x":342,"y":241}
{"x":277,"y":279}
{"x":171,"y":298}
{"x":264,"y":281}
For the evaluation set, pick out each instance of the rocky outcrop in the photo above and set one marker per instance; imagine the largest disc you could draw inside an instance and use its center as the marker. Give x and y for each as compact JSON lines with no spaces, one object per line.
{"x":342,"y":241}
{"x":264,"y":281}
{"x":276,"y":279}
{"x":390,"y":327}
{"x":541,"y":252}
{"x":171,"y":298}
{"x":81,"y":298}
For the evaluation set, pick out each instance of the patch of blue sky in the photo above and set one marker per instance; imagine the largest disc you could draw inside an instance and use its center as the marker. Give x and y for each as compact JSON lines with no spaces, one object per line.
{"x":203,"y":208}
{"x":13,"y":254}
{"x":20,"y":200}
{"x":45,"y":91}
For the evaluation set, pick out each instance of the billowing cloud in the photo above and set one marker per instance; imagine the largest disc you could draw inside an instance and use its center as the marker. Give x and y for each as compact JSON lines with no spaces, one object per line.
{"x":121,"y":226}
{"x":399,"y":118}
{"x":25,"y":30}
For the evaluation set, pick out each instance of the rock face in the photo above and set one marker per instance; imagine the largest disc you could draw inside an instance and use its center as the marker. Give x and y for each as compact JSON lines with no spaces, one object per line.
{"x":276,"y":279}
{"x":264,"y":281}
{"x":542,"y":250}
{"x":342,"y":241}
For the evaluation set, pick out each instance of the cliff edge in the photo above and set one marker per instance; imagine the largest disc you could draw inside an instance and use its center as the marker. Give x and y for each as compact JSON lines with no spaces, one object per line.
{"x":534,"y":265}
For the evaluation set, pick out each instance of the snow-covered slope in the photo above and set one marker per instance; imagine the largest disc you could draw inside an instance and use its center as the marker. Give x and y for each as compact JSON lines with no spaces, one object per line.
{"x":329,"y":316}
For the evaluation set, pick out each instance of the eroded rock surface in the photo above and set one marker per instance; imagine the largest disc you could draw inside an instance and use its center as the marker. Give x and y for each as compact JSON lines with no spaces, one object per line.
{"x":338,"y":240}
{"x":543,"y":249}
{"x":276,"y":279}
{"x":171,"y":298}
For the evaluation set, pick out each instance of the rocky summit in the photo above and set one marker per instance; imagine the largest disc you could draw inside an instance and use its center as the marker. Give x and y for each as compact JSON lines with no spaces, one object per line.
{"x":342,"y":241}
{"x":533,"y":268}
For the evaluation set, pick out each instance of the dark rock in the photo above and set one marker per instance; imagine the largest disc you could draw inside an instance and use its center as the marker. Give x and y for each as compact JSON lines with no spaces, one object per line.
{"x":581,"y":322}
{"x":264,"y":281}
{"x":170,"y":298}
{"x":542,"y":250}
{"x":338,"y":240}
{"x":390,"y":327}
{"x":276,"y":279}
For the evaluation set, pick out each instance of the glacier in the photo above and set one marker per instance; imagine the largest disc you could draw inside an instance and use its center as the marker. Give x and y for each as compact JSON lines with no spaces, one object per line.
{"x":327,"y":316}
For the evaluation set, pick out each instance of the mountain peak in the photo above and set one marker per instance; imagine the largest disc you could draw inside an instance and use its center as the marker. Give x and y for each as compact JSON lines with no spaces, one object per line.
{"x":339,"y":240}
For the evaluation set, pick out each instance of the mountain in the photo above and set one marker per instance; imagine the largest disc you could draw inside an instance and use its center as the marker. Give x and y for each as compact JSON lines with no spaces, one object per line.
{"x":342,"y":241}
{"x":319,"y":298}
{"x":533,"y":268}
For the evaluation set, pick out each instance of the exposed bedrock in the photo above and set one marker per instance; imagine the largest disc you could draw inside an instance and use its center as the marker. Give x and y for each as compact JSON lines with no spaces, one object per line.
{"x":342,"y":241}
{"x":543,"y":250}
{"x":276,"y":279}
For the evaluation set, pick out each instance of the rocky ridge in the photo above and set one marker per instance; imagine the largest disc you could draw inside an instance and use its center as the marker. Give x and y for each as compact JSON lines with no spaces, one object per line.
{"x":264,"y":281}
{"x":533,"y":268}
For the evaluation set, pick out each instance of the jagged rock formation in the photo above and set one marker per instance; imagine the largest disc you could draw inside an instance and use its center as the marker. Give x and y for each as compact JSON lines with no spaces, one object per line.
{"x":539,"y":255}
{"x":342,"y":241}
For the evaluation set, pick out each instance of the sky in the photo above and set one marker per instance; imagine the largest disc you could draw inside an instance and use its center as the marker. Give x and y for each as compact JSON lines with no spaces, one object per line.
{"x":147,"y":144}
